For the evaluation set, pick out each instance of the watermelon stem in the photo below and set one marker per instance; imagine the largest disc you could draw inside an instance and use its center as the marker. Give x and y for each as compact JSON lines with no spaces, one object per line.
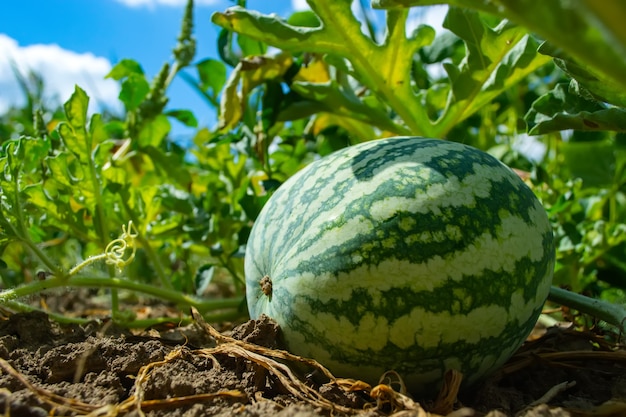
{"x":611,"y":313}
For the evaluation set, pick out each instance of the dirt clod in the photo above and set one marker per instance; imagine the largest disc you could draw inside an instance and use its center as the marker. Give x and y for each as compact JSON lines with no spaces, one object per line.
{"x":47,"y":368}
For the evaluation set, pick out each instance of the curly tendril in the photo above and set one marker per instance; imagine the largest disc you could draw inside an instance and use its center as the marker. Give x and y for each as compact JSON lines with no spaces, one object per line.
{"x":116,"y":252}
{"x":116,"y":249}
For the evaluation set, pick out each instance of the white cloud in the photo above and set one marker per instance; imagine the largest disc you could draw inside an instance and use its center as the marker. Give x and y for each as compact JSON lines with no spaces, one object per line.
{"x":175,"y":3}
{"x":299,"y":5}
{"x":61,"y":70}
{"x":428,"y":15}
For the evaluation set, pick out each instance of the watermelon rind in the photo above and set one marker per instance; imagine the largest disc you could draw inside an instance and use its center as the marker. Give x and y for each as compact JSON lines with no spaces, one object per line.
{"x":409,"y":254}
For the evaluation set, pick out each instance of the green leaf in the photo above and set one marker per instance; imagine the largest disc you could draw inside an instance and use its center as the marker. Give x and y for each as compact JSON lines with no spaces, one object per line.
{"x":250,"y":47}
{"x":445,"y":45}
{"x":343,"y":102}
{"x":23,"y":155}
{"x":212,"y":74}
{"x":97,"y":129}
{"x":203,"y":278}
{"x":154,"y":131}
{"x":305,"y":18}
{"x":125,"y":68}
{"x":66,"y":169}
{"x":497,"y":58}
{"x":186,"y":117}
{"x":135,"y":89}
{"x":248,"y":74}
{"x":590,"y":31}
{"x":598,"y":171}
{"x":169,"y":165}
{"x":359,"y":131}
{"x":225,"y":48}
{"x":74,"y":131}
{"x":565,"y":108}
{"x":598,"y":85}
{"x":385,"y":68}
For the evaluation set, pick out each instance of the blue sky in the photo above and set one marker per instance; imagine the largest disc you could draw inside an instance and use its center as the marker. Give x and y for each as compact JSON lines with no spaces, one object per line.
{"x":78,"y":41}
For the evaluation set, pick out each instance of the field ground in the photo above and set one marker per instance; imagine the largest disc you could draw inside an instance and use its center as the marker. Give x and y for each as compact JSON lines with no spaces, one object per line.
{"x":98,"y":369}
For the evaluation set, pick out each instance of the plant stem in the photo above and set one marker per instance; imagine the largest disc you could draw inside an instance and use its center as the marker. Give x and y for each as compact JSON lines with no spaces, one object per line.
{"x":611,"y":313}
{"x":22,"y":231}
{"x":131,"y":324}
{"x":181,"y":299}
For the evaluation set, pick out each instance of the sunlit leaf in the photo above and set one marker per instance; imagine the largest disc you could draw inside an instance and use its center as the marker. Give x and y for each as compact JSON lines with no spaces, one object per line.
{"x":212,"y":74}
{"x":154,"y":131}
{"x":360,"y":131}
{"x":599,"y":86}
{"x":304,"y":18}
{"x":125,"y":68}
{"x":204,"y":277}
{"x":384,"y":68}
{"x":250,"y":47}
{"x":497,"y":58}
{"x":565,"y":108}
{"x":74,"y":131}
{"x":315,"y":70}
{"x":344,"y":102}
{"x":589,"y":31}
{"x":135,"y":89}
{"x":247,"y":75}
{"x":186,"y":117}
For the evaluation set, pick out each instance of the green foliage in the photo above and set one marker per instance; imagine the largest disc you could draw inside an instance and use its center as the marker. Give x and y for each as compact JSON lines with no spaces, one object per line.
{"x":70,"y":180}
{"x":499,"y":80}
{"x":497,"y":58}
{"x":590,"y":32}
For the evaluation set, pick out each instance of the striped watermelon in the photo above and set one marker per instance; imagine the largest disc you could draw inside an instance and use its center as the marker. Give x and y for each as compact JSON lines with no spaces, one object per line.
{"x":407,"y":254}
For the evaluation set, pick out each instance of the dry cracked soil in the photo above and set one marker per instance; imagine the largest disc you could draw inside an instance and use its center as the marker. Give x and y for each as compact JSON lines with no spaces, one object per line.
{"x":97,"y":369}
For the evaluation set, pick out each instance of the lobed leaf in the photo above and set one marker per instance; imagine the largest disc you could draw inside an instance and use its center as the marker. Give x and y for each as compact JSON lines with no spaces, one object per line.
{"x":74,"y":131}
{"x":597,"y":84}
{"x":248,"y":74}
{"x":343,"y":102}
{"x":566,"y":108}
{"x":496,"y":59}
{"x":383,"y":68}
{"x":591,"y":32}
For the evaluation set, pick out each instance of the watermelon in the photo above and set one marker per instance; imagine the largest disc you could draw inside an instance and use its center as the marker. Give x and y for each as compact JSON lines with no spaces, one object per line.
{"x":409,"y":254}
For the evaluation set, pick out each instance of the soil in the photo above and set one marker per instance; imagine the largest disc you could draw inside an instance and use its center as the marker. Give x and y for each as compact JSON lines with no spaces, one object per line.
{"x":97,"y":369}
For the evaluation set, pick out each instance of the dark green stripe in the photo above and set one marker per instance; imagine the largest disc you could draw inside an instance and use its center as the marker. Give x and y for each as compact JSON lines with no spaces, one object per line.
{"x":416,"y":360}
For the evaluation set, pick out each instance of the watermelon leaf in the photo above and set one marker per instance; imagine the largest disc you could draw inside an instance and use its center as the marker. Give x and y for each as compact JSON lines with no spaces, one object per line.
{"x":74,"y":131}
{"x":597,"y":84}
{"x":589,"y":31}
{"x":566,"y":107}
{"x":248,"y":74}
{"x":383,"y":68}
{"x":497,"y":58}
{"x":203,"y":278}
{"x":342,"y":102}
